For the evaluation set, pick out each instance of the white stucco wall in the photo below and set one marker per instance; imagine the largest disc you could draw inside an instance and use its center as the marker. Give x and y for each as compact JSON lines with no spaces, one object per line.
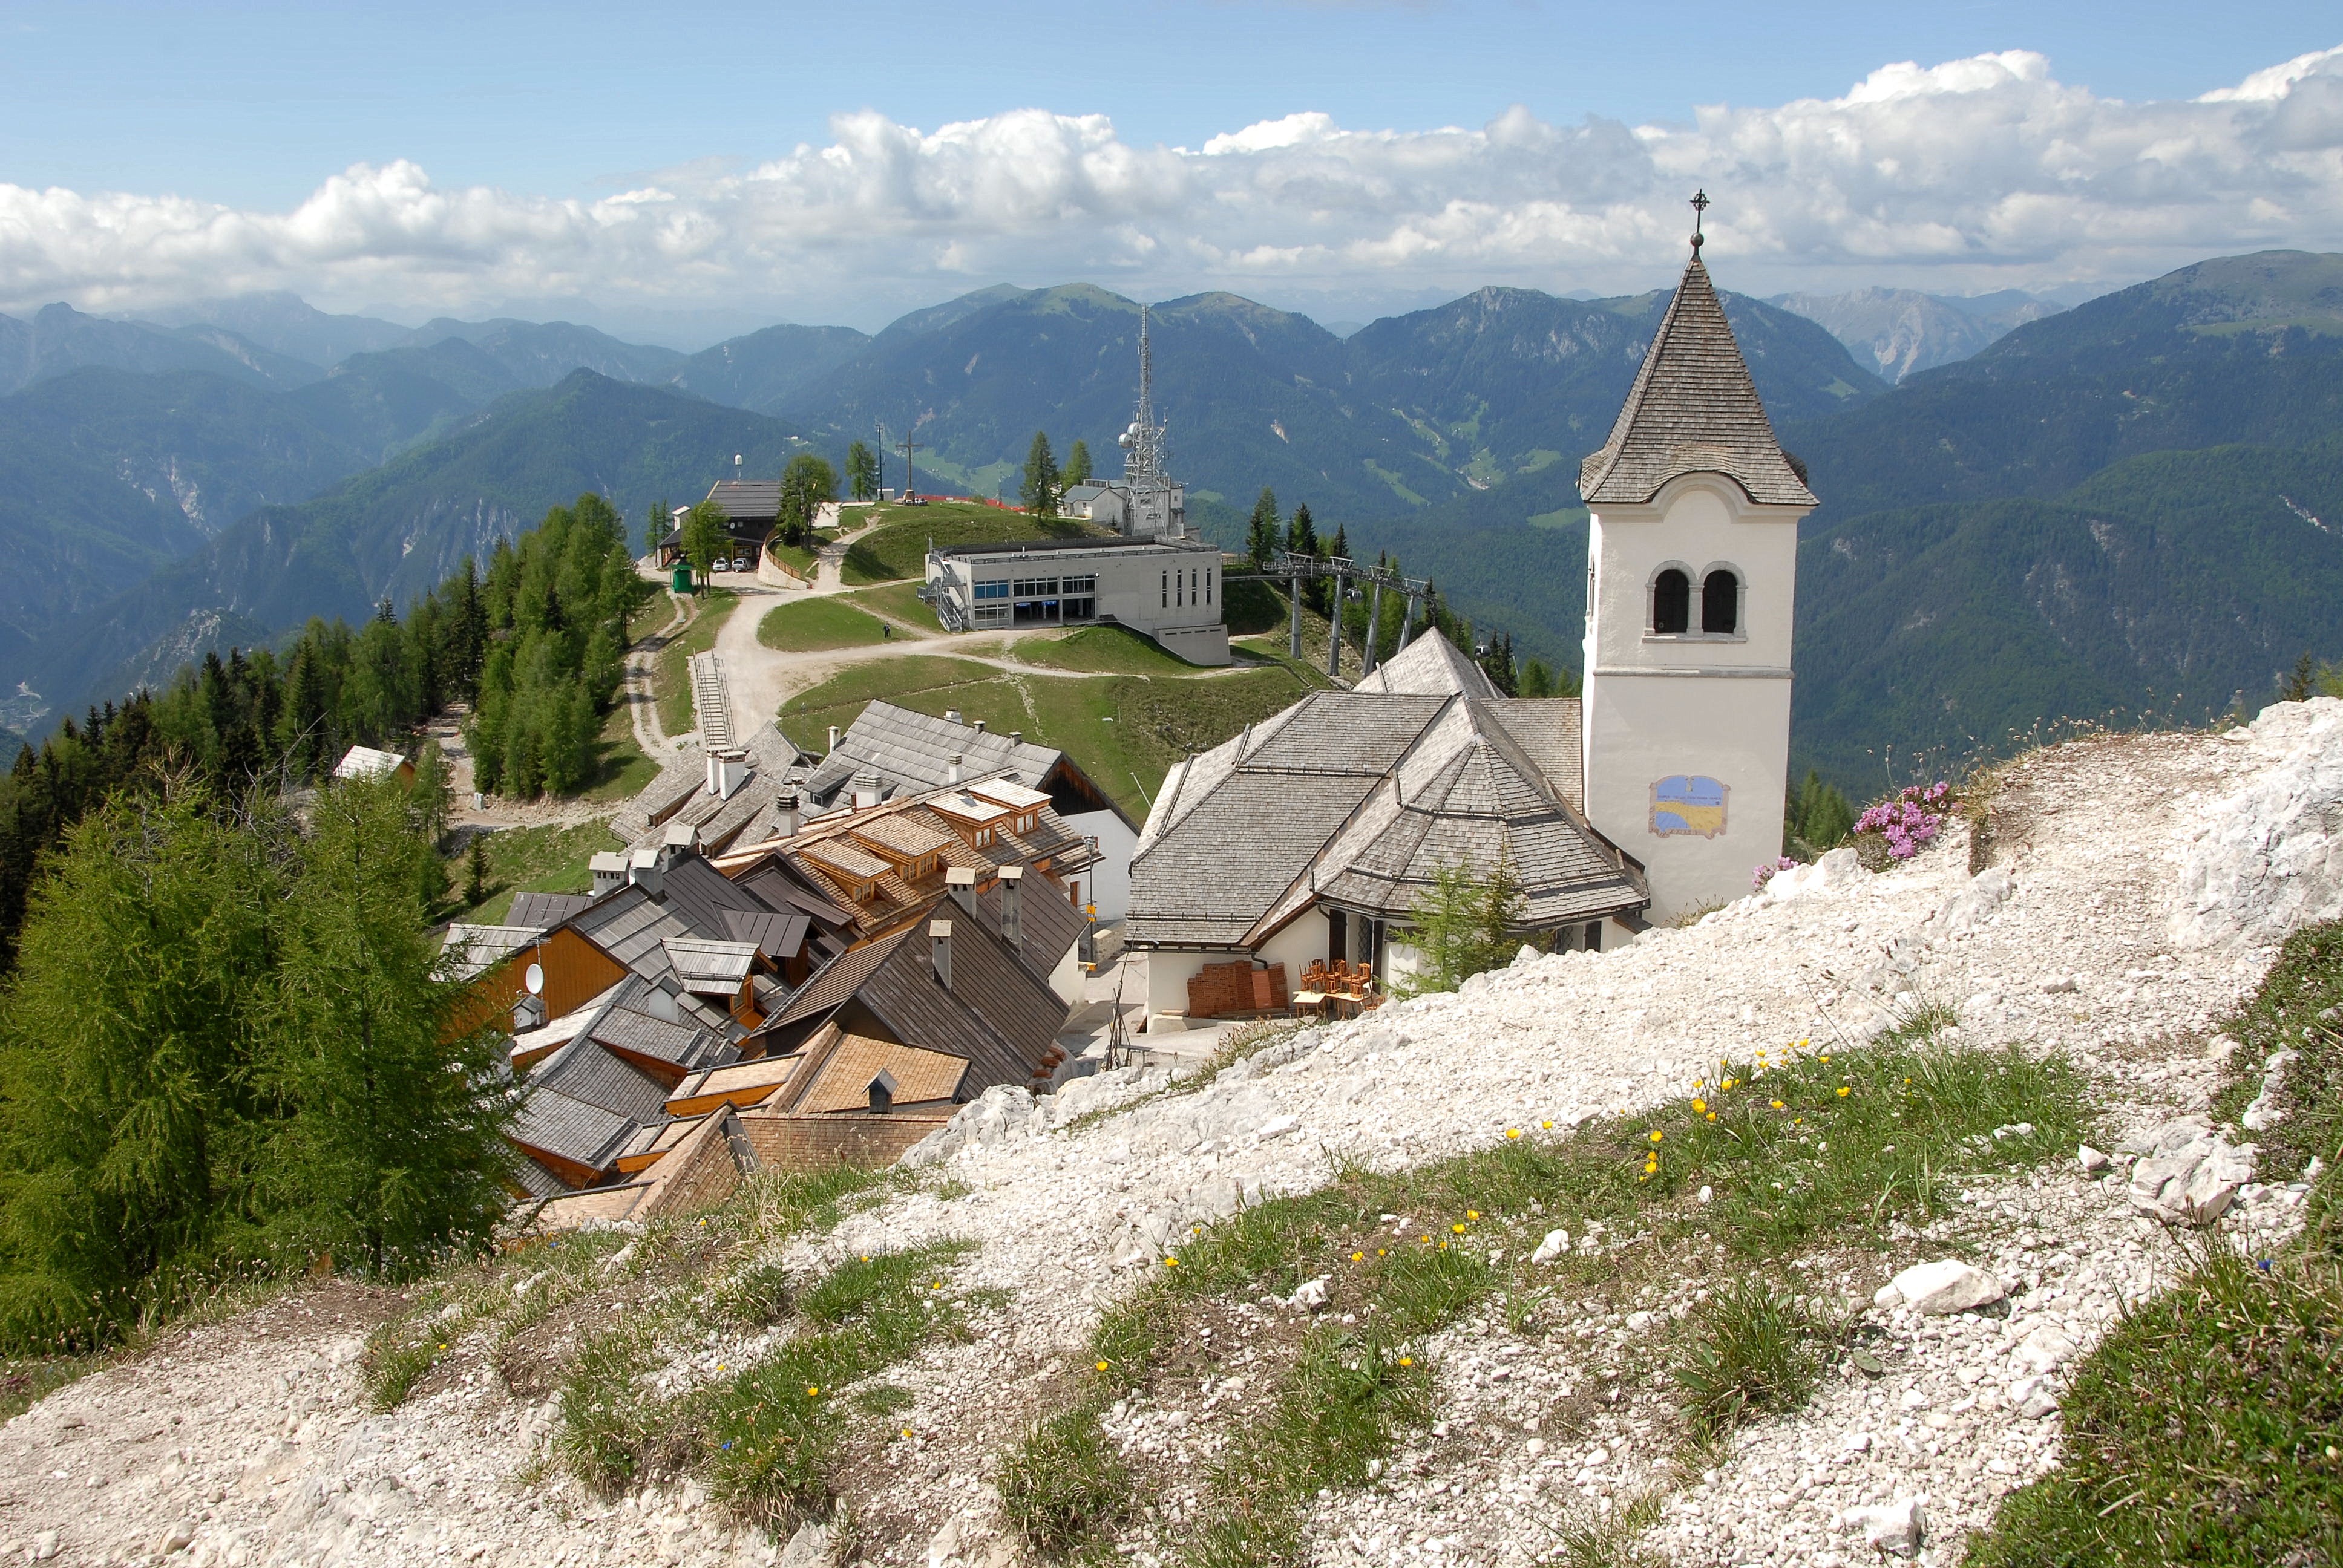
{"x":1694,"y":705}
{"x":1108,"y":883}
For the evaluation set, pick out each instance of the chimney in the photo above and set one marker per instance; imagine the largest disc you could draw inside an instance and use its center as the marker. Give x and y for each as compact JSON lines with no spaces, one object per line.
{"x":528,"y":1013}
{"x":952,"y":775}
{"x":866,"y":790}
{"x":961,"y":882}
{"x":1013,"y":908}
{"x":940,"y":950}
{"x":662,"y":1002}
{"x":643,"y":869}
{"x":980,"y":726}
{"x":1017,"y":737}
{"x":610,"y":871}
{"x":682,"y":842}
{"x":952,"y":716}
{"x":785,"y":811}
{"x":833,"y":739}
{"x":882,"y":1092}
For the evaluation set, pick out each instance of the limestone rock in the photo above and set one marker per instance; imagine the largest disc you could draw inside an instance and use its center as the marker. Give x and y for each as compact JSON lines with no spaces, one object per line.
{"x":1947,"y":1285}
{"x":2269,"y":860}
{"x":813,"y":1546}
{"x":2265,"y":1110}
{"x":1309,"y":1295}
{"x":2187,"y":1172}
{"x":1555,"y":1244}
{"x":1897,"y":1527}
{"x":2044,"y":1348}
{"x":44,"y":1545}
{"x":2095,"y":1163}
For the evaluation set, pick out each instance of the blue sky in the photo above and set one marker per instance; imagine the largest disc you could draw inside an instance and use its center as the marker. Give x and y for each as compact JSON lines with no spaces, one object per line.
{"x":250,"y":110}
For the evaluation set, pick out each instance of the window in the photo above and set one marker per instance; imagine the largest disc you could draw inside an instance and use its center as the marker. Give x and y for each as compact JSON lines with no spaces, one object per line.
{"x":1088,"y":583}
{"x":1720,"y":604}
{"x":1167,"y":591}
{"x":1671,"y":603}
{"x":1208,"y":584}
{"x":993,"y":590}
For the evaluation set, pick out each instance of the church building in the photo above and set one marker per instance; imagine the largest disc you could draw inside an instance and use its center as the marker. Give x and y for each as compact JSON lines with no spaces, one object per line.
{"x":1652,"y":795}
{"x":1692,"y":560}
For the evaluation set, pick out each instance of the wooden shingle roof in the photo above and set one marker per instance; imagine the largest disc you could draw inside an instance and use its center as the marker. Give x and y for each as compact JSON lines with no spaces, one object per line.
{"x":1692,"y":409}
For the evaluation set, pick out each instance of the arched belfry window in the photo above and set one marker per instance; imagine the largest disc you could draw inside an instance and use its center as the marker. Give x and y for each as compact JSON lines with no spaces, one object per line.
{"x":1720,"y":603}
{"x":1671,"y":603}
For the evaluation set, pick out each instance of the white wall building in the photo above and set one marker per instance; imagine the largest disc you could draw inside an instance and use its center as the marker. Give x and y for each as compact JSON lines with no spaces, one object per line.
{"x":1692,"y":564}
{"x":1169,"y":589}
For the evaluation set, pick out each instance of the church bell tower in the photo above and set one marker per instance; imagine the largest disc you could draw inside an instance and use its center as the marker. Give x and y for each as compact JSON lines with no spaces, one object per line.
{"x":1691,"y":580}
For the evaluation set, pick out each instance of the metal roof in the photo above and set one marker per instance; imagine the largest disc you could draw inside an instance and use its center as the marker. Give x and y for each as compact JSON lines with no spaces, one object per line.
{"x":1692,"y":409}
{"x":469,"y":951}
{"x":1009,"y":549}
{"x":543,"y":911}
{"x":914,"y":752}
{"x":700,"y":963}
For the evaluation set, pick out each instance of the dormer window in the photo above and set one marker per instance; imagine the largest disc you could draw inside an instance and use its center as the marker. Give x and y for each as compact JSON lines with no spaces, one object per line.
{"x":1671,"y":603}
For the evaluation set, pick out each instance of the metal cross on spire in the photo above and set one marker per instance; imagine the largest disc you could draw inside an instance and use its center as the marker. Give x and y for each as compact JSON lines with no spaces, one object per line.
{"x":1699,"y":207}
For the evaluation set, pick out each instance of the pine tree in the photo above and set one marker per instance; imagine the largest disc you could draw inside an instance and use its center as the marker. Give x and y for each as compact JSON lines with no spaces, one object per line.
{"x":1078,"y":467}
{"x":806,"y":485}
{"x":862,"y":472}
{"x":1537,"y":680}
{"x":1260,"y":529}
{"x":395,"y":1151}
{"x":1038,"y":491}
{"x":476,"y":871}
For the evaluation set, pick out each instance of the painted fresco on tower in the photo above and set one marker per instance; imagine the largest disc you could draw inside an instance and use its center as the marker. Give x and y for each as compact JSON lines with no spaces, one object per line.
{"x":1687,"y":803}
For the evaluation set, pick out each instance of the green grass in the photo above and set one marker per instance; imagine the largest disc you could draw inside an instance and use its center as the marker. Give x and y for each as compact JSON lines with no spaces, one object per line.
{"x":1124,"y":731}
{"x":1065,"y":1483}
{"x":1789,"y":1159}
{"x":671,"y":669}
{"x":898,"y":602}
{"x":1104,"y":651}
{"x":806,"y":625}
{"x":656,"y":610}
{"x":798,"y":557}
{"x":767,"y":1436}
{"x":1752,"y":1349}
{"x":2207,"y":1425}
{"x":547,"y":859}
{"x":603,"y":1415}
{"x":898,"y":547}
{"x":621,"y":769}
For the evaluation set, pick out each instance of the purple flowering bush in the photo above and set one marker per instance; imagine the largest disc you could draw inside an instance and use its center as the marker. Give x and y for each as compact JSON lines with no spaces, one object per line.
{"x":1901,"y":826}
{"x":1765,"y":873}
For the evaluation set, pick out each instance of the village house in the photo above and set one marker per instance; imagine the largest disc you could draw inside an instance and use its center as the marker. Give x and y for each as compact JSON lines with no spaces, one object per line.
{"x":691,"y":1012}
{"x":1311,"y":837}
{"x":750,"y":508}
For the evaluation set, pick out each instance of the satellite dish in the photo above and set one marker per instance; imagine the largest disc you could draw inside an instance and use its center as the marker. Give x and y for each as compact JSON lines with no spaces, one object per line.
{"x":534,"y":979}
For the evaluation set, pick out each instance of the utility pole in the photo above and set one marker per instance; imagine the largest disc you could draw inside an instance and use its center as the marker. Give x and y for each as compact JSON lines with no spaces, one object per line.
{"x":907,"y":446}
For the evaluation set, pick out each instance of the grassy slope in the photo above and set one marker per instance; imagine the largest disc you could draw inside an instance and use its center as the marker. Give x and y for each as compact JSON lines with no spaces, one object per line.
{"x":2208,"y":1426}
{"x":898,"y":602}
{"x":808,"y":624}
{"x":898,"y":548}
{"x":549,"y":859}
{"x":1124,"y":730}
{"x":672,"y":673}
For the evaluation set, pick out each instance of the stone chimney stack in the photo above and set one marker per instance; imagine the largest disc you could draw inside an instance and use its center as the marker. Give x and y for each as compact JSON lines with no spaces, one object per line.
{"x":1012,"y":906}
{"x":961,"y":882}
{"x":952,"y":776}
{"x":940,"y":950}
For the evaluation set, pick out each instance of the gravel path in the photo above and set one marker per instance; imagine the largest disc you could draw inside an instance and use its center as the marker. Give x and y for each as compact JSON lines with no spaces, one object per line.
{"x":253,"y":1436}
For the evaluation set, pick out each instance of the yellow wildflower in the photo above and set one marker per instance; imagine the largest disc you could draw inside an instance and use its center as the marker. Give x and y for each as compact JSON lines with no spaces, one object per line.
{"x":1655,"y":1135}
{"x":1407,"y":1361}
{"x":1700,"y":1105}
{"x":1712,"y":1116}
{"x":1777,"y":1105}
{"x":1171,"y":1263}
{"x":1844,"y":1091}
{"x":1358,"y":1257}
{"x":1458,"y":1228}
{"x":1513,"y":1132}
{"x":1102,"y":1366}
{"x":812,"y":1392}
{"x":1471,"y":1213}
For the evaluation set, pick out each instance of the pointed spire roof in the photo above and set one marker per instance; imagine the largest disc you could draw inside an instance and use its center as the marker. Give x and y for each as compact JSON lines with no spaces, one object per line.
{"x":1692,"y":409}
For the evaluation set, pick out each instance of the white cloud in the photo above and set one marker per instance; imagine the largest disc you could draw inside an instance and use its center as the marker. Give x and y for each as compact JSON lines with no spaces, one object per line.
{"x":1972,"y":173}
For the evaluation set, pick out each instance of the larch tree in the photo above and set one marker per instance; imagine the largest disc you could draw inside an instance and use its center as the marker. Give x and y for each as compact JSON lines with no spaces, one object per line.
{"x":1466,"y":923}
{"x":1261,"y":529}
{"x":394,"y":1149}
{"x":807,"y":484}
{"x":1078,"y":465}
{"x":707,"y":538}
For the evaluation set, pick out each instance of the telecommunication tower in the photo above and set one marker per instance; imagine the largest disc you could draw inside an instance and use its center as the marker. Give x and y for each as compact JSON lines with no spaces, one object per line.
{"x":1154,"y":508}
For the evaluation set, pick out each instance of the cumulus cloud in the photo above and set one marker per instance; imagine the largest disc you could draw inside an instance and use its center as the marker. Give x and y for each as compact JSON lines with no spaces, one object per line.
{"x":1972,"y":173}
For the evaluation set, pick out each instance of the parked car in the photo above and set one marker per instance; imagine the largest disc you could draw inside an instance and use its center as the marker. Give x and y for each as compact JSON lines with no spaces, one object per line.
{"x":739,"y":563}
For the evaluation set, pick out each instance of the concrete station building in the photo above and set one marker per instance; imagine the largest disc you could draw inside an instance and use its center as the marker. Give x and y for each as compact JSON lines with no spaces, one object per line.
{"x":1166,"y":589}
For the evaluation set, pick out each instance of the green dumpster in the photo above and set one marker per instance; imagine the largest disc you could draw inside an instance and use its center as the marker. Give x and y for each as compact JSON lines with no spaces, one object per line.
{"x":682,"y":582}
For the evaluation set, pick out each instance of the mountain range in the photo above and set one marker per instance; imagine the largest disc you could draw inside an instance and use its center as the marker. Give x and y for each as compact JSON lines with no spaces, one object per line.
{"x":2053,"y":525}
{"x":1898,"y":331}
